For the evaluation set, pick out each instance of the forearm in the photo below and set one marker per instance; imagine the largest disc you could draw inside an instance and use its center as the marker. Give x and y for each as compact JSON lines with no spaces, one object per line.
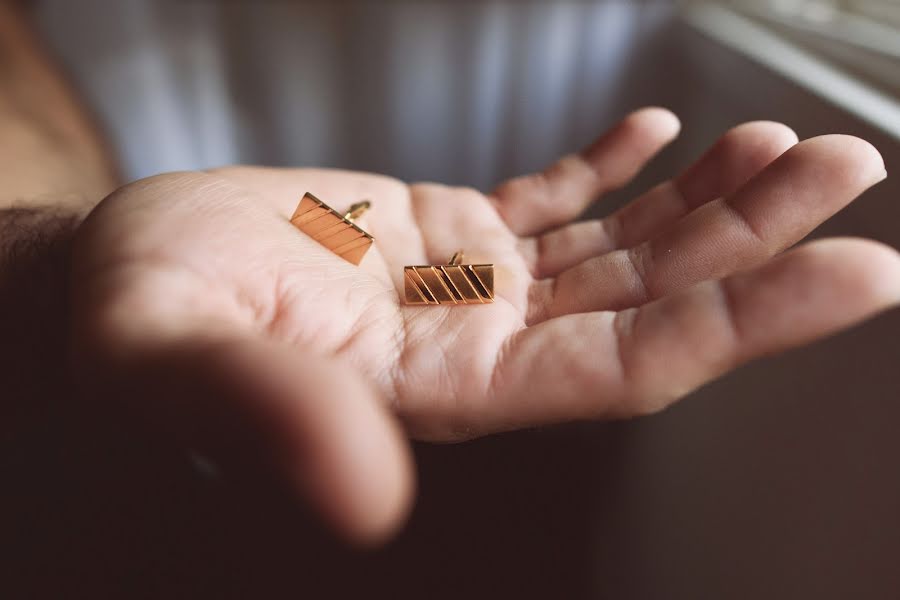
{"x":51,"y":153}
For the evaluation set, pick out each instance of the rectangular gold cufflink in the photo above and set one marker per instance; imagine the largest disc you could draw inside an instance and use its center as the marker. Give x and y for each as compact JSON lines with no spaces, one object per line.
{"x":453,"y":283}
{"x":333,"y":230}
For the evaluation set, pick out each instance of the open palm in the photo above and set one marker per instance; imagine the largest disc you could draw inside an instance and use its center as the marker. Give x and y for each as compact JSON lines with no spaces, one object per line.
{"x":232,"y":327}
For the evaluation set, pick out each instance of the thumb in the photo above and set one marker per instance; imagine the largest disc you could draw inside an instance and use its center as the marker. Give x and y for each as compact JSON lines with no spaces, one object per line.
{"x":312,"y":420}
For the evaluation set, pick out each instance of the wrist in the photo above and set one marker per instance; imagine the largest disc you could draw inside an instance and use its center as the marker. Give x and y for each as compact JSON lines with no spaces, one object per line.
{"x":35,"y":249}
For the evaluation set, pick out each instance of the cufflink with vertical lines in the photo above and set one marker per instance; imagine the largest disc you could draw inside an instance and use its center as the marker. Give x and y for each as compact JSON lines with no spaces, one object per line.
{"x":453,"y":283}
{"x":333,"y":230}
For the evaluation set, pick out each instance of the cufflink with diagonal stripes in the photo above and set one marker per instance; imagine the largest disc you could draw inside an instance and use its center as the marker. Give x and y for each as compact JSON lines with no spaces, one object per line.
{"x":333,"y":230}
{"x":453,"y":283}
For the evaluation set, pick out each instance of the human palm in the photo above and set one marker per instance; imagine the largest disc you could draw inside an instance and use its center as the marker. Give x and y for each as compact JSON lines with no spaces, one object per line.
{"x":201,"y":275}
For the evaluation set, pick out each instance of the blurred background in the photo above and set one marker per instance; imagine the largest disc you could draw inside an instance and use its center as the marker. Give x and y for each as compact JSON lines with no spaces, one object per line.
{"x":779,"y":481}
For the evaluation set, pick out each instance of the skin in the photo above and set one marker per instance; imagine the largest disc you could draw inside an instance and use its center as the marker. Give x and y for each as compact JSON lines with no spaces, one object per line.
{"x":52,"y":156}
{"x":190,"y":305}
{"x":227,"y":327}
{"x":54,"y":168}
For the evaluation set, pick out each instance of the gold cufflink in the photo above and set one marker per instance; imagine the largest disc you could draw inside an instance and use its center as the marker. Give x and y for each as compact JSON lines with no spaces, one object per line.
{"x":453,"y":283}
{"x":333,"y":230}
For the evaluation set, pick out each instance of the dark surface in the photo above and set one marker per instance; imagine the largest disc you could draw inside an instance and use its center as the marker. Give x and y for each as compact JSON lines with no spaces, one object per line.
{"x":779,"y":481}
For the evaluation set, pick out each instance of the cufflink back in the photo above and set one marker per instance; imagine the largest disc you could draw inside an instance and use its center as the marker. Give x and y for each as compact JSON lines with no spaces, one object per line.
{"x":333,"y":230}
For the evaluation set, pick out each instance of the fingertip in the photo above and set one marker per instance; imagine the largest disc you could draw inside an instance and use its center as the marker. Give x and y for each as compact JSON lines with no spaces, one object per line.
{"x":322,"y":427}
{"x":354,"y":460}
{"x":741,"y":153}
{"x":380,"y":523}
{"x":385,"y":490}
{"x":622,"y":152}
{"x":869,"y":269}
{"x":769,"y":138}
{"x":656,"y":121}
{"x":846,"y":157}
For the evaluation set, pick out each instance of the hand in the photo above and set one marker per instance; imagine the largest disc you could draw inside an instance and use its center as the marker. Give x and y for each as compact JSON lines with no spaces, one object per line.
{"x":220,"y":321}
